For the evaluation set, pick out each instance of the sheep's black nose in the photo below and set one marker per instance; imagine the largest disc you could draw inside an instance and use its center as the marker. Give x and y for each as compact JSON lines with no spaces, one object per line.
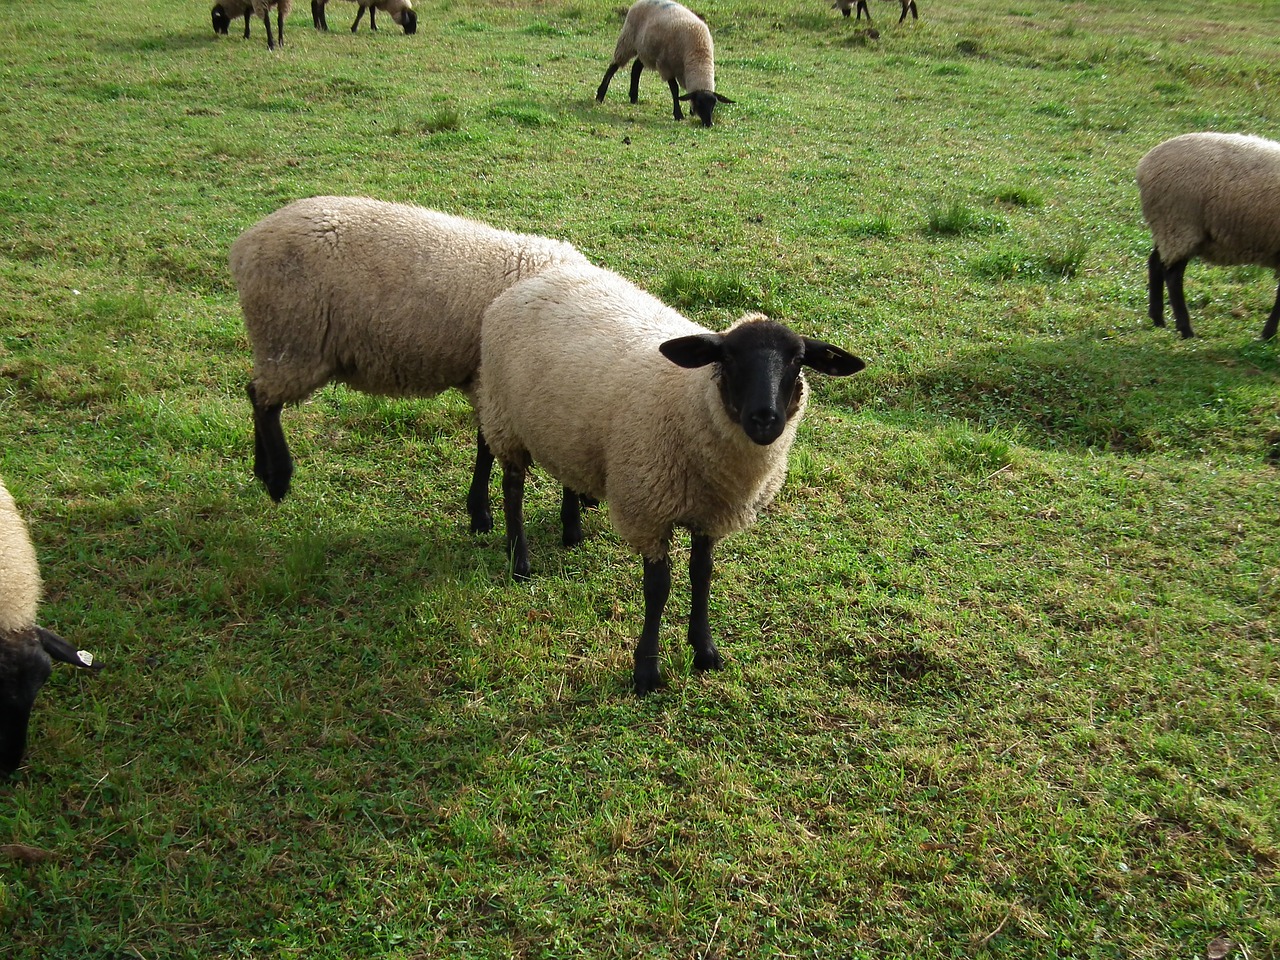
{"x":763,"y":426}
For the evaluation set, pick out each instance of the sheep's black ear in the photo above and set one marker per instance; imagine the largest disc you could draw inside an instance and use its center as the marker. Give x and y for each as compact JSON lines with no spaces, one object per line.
{"x":694,"y":351}
{"x":59,"y":649}
{"x":723,"y":99}
{"x":829,"y":359}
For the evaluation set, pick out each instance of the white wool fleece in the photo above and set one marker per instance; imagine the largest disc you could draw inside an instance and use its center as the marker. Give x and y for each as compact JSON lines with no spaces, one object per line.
{"x":19,"y":572}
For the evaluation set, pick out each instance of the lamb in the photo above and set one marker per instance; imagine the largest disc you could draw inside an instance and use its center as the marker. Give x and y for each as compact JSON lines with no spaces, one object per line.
{"x":401,"y":11}
{"x":227,"y":10}
{"x":845,"y":6}
{"x":27,"y":650}
{"x":669,"y":38}
{"x":620,"y":397}
{"x":384,"y":297}
{"x":1213,"y":196}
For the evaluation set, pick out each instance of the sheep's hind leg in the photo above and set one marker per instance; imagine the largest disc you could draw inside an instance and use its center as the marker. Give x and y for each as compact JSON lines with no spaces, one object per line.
{"x":675,"y":99}
{"x":657,"y":586}
{"x":604,"y":84}
{"x":705,"y":654}
{"x":358,"y":16}
{"x":1177,"y":301}
{"x":478,"y":508}
{"x":272,"y":463}
{"x":513,"y":511}
{"x":246,"y":23}
{"x":1155,"y":288}
{"x":1273,"y":319}
{"x":318,"y":18}
{"x":570,"y":519}
{"x":636,"y":70}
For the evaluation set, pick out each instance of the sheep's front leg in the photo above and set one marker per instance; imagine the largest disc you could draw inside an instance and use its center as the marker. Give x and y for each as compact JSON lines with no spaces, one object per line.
{"x":1155,"y":288}
{"x":318,"y":19}
{"x":266,"y":22}
{"x":280,"y":24}
{"x":359,"y":14}
{"x":246,"y":23}
{"x":1173,"y":273}
{"x":675,"y":99}
{"x":513,"y":511}
{"x":657,"y":586}
{"x":705,"y":654}
{"x":862,"y":8}
{"x":478,"y":496}
{"x":271,"y":461}
{"x":636,"y":69}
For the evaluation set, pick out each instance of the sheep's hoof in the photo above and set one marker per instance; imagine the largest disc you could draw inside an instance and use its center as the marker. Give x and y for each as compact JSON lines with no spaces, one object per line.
{"x":481,"y":523}
{"x":704,"y":660}
{"x":647,"y":679}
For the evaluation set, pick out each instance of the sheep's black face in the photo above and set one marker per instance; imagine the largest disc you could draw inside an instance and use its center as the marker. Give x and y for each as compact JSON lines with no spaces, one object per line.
{"x":703,"y":104}
{"x":221,"y":22}
{"x":409,"y":20}
{"x":24,"y":667}
{"x":758,"y":373}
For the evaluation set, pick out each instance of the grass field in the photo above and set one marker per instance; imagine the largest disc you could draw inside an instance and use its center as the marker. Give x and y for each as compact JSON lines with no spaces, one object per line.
{"x":1002,"y":670}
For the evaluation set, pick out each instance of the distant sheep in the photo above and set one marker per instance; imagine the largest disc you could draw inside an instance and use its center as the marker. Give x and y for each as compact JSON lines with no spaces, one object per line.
{"x":1210,"y":195}
{"x":384,"y":297}
{"x":27,"y":650}
{"x":669,"y":38}
{"x":401,"y":11}
{"x":227,"y":10}
{"x":620,"y":397}
{"x":224,"y":11}
{"x":845,"y":6}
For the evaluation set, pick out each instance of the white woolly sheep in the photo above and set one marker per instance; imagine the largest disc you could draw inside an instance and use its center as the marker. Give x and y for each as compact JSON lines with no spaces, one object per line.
{"x":384,"y":297}
{"x":845,"y":6}
{"x":620,"y":397}
{"x":27,"y":650}
{"x":224,"y":11}
{"x":669,"y":38}
{"x":1210,"y":195}
{"x":401,"y":11}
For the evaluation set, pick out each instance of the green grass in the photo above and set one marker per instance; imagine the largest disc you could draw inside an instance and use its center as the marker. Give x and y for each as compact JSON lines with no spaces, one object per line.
{"x":1002,"y":659}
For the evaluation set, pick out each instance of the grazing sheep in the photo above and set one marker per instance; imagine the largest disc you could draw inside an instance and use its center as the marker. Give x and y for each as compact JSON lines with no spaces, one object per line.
{"x":1213,"y":196}
{"x":844,"y":6}
{"x":224,"y":11}
{"x":401,"y":11}
{"x":620,"y":397}
{"x":27,"y":650}
{"x":384,"y":297}
{"x":673,"y":40}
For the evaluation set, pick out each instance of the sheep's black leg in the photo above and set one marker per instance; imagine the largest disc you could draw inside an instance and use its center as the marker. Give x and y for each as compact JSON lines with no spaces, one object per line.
{"x":915,"y":14}
{"x":604,"y":84}
{"x":705,"y":654}
{"x":862,"y":8}
{"x":1177,"y":301}
{"x":478,"y":496}
{"x":1155,"y":288}
{"x":358,"y":16}
{"x":271,"y":461}
{"x":675,"y":99}
{"x":571,"y":519}
{"x":280,"y":25}
{"x":513,"y":510}
{"x":373,"y":23}
{"x":318,"y":19}
{"x":247,"y":14}
{"x":846,"y":11}
{"x":1273,"y":319}
{"x":266,"y":22}
{"x":636,"y":70}
{"x":657,"y":586}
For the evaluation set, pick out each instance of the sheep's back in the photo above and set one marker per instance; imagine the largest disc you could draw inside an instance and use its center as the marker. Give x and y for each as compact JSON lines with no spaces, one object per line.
{"x":385,"y":297}
{"x":1215,"y":196}
{"x":672,"y":40}
{"x":19,"y":572}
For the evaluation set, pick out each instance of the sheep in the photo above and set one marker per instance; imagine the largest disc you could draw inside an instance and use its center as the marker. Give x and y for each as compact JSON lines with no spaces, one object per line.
{"x":845,"y":6}
{"x":401,"y":11}
{"x":224,"y":11}
{"x":1213,"y":196}
{"x":27,"y":650}
{"x":620,"y":397}
{"x":669,"y":38}
{"x":384,"y":297}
